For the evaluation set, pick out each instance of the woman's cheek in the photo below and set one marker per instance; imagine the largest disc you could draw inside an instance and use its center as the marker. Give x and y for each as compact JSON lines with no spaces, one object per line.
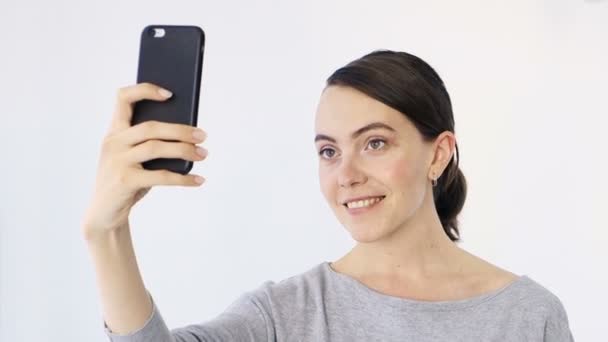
{"x":401,"y":172}
{"x":405,"y":177}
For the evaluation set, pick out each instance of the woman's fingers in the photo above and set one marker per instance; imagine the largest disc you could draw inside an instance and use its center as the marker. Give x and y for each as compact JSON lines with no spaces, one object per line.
{"x":126,"y":98}
{"x":150,"y":130}
{"x":153,"y":149}
{"x":147,"y":178}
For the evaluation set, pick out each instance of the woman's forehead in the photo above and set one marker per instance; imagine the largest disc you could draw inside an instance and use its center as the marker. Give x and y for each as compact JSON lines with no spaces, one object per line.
{"x":339,"y":104}
{"x":343,"y":110}
{"x":340,"y":100}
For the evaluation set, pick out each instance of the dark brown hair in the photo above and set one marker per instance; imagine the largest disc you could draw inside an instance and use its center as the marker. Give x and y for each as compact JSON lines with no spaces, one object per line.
{"x":408,"y":84}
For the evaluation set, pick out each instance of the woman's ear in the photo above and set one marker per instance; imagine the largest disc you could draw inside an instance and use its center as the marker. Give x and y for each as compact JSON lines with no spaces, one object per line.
{"x":443,"y":151}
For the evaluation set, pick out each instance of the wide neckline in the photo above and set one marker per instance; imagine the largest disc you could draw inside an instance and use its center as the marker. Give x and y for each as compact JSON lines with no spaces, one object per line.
{"x":416,"y":304}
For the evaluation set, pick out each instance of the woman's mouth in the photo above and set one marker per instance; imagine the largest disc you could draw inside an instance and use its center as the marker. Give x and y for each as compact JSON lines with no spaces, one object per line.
{"x":358,"y":207}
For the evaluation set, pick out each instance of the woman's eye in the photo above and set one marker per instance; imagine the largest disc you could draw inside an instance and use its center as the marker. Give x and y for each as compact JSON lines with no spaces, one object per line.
{"x":321,"y":153}
{"x":374,"y":142}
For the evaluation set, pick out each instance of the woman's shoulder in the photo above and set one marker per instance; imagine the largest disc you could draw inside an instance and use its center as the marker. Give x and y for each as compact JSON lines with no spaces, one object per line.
{"x":520,"y":289}
{"x":311,"y":276}
{"x":539,"y":306}
{"x":536,"y":295}
{"x":525,"y":294}
{"x":294,"y":292}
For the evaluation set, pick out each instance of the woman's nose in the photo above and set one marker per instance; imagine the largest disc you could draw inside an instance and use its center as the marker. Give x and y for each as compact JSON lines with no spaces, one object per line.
{"x":350,"y":173}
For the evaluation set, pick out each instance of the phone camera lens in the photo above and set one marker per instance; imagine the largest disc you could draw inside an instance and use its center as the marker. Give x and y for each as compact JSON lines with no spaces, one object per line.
{"x":156,"y":32}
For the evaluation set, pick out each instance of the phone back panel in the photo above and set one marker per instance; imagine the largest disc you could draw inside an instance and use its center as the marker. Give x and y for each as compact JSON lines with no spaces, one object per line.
{"x":173,"y":61}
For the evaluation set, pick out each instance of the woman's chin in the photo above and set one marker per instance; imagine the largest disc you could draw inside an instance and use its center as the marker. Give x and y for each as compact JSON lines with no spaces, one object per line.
{"x":365,"y":235}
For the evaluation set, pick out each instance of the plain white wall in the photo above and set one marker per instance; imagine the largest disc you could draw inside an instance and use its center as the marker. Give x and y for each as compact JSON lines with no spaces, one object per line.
{"x":527,"y":82}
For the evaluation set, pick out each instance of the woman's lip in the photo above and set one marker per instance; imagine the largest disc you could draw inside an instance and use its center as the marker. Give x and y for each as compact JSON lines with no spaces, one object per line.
{"x":362,"y":199}
{"x":356,"y":211}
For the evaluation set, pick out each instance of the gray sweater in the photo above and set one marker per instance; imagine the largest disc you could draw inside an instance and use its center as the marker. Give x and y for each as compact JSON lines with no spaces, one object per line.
{"x":324,"y":305}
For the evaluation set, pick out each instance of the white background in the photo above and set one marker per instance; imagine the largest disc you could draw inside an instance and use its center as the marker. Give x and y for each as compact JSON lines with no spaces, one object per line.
{"x":527,"y":82}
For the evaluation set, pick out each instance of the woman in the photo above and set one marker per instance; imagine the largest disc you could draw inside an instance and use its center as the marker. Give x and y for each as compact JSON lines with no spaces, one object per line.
{"x":388,"y":167}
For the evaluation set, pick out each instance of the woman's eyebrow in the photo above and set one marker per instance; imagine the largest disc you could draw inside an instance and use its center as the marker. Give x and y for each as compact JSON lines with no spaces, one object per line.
{"x":355,"y":134}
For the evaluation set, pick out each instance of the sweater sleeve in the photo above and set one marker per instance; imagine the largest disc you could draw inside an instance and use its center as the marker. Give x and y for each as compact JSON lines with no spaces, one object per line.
{"x":243,"y":320}
{"x":557,"y":327}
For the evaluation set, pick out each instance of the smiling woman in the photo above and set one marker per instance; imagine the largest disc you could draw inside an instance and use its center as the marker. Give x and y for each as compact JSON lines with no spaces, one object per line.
{"x":385,"y":135}
{"x":388,"y":168}
{"x":402,"y":84}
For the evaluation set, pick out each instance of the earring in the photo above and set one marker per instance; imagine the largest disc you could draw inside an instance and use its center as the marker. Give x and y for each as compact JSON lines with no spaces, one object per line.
{"x":434,"y":181}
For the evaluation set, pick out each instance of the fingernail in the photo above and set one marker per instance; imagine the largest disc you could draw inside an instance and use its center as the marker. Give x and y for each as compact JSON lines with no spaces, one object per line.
{"x":201,"y":151}
{"x":165,"y":92}
{"x":199,"y":179}
{"x":198,"y":134}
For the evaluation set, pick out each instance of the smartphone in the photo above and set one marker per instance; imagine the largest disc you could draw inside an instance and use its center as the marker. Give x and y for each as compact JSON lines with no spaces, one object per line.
{"x":171,"y":57}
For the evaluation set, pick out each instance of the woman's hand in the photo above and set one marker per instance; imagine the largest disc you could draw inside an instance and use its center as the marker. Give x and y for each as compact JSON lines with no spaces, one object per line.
{"x":121,"y":180}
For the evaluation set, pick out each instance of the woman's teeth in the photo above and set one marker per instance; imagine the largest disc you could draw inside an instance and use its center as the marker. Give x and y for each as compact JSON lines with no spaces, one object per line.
{"x":363,"y":203}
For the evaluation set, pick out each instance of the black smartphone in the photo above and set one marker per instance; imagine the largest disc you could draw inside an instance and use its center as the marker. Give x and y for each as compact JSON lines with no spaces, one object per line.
{"x":171,"y":57}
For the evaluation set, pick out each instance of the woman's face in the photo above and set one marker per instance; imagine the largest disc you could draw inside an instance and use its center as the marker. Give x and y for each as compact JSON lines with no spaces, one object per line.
{"x":357,"y":162}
